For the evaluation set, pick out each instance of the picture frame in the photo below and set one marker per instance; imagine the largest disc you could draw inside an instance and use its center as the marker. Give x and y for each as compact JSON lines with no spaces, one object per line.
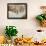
{"x":17,"y":10}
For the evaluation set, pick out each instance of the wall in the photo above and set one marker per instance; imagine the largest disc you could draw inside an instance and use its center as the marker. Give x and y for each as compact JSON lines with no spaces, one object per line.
{"x":27,"y":26}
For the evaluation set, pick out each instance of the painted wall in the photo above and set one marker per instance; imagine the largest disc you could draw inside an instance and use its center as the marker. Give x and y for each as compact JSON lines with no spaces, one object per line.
{"x":26,"y":27}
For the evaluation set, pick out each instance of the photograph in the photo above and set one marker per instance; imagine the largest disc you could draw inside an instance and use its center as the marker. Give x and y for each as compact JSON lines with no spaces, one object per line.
{"x":17,"y":11}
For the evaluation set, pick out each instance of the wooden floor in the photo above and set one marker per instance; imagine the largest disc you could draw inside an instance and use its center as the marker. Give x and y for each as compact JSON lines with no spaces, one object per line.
{"x":31,"y":45}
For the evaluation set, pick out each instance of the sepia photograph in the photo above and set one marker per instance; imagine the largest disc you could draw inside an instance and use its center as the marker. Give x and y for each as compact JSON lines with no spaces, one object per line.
{"x":17,"y":11}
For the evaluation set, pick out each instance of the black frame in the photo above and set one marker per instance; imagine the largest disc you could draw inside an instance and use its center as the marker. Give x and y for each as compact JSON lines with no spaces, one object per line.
{"x":17,"y":4}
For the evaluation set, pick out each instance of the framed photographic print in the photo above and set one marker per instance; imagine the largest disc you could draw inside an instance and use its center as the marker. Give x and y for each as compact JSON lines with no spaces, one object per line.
{"x":17,"y":10}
